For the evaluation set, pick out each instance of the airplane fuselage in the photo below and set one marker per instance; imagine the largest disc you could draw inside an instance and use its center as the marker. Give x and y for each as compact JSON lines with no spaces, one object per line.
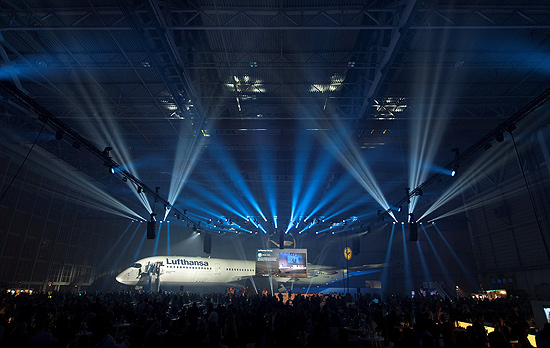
{"x":197,"y":271}
{"x":183,"y":270}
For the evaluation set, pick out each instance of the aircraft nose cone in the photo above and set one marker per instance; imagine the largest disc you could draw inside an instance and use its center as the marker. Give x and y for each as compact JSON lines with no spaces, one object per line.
{"x":120,"y":278}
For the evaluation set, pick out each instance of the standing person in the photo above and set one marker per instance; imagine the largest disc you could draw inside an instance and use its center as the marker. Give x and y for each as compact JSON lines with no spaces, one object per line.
{"x":480,"y":334}
{"x":447,"y":331}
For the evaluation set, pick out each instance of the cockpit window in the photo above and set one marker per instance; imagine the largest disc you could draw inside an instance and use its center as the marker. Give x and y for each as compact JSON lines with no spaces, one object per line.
{"x":136,"y":265}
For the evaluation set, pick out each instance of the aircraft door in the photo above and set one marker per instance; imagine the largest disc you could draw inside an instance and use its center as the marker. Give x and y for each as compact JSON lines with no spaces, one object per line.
{"x":217,"y":269}
{"x":157,"y":271}
{"x":158,"y":268}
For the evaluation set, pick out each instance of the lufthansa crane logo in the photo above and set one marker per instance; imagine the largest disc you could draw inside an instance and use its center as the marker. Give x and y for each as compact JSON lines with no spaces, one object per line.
{"x":348,"y":253}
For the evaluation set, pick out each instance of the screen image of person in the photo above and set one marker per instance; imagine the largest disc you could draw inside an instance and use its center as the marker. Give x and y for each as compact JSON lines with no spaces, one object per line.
{"x":295,"y":259}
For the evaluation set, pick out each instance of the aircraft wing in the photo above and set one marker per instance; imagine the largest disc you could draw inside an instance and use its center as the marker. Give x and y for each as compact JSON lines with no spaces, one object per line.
{"x":313,"y":269}
{"x":367,"y":267}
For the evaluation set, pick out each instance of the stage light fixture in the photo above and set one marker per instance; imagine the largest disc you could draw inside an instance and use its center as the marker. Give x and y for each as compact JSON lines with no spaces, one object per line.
{"x":139,"y":189}
{"x":106,"y":150}
{"x":151,"y":230}
{"x":59,"y":134}
{"x":399,"y":209}
{"x":456,"y":151}
{"x":112,"y":170}
{"x":453,"y":172}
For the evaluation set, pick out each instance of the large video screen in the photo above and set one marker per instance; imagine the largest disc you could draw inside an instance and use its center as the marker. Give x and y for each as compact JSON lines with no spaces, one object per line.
{"x":282,"y":263}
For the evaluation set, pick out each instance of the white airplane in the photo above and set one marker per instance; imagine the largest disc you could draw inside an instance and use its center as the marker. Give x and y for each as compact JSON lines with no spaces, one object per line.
{"x":172,"y":271}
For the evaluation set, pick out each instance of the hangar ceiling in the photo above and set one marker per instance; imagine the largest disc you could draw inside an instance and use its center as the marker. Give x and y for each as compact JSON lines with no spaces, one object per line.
{"x":243,"y":110}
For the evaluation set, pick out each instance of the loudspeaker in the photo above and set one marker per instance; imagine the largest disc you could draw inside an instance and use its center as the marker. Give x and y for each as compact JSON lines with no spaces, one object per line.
{"x":151,"y":230}
{"x":207,"y":243}
{"x":281,"y":240}
{"x":356,"y":245}
{"x":413,"y":232}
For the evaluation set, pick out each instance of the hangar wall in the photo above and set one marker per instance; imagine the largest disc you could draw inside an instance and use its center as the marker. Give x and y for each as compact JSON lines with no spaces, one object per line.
{"x":511,"y":248}
{"x":47,"y":239}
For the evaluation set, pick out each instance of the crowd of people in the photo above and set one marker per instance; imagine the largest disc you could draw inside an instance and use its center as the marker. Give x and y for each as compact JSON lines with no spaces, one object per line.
{"x":244,"y":319}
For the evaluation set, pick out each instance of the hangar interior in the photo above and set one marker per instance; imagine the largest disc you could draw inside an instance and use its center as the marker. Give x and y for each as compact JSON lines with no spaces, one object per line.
{"x":332,"y":124}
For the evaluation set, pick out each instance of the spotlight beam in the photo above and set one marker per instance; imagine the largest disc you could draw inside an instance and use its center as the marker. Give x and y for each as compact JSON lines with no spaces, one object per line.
{"x":387,"y":260}
{"x":480,"y":144}
{"x":185,"y":160}
{"x":340,"y":144}
{"x":477,"y":203}
{"x":92,"y":195}
{"x":54,"y":122}
{"x":435,"y":252}
{"x":470,"y":177}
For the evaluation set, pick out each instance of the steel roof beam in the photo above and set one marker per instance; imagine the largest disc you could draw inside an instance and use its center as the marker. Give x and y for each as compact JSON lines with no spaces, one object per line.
{"x":382,"y":71}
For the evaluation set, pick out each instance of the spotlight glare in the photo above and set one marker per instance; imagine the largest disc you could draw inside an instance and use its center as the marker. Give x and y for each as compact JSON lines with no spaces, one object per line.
{"x":112,"y":170}
{"x":453,"y":172}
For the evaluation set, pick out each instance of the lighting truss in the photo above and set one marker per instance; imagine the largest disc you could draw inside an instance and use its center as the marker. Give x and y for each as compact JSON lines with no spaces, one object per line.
{"x":484,"y":143}
{"x":47,"y":117}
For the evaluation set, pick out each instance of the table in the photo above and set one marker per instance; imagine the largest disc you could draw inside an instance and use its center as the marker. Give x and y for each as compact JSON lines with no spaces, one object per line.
{"x":375,"y":342}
